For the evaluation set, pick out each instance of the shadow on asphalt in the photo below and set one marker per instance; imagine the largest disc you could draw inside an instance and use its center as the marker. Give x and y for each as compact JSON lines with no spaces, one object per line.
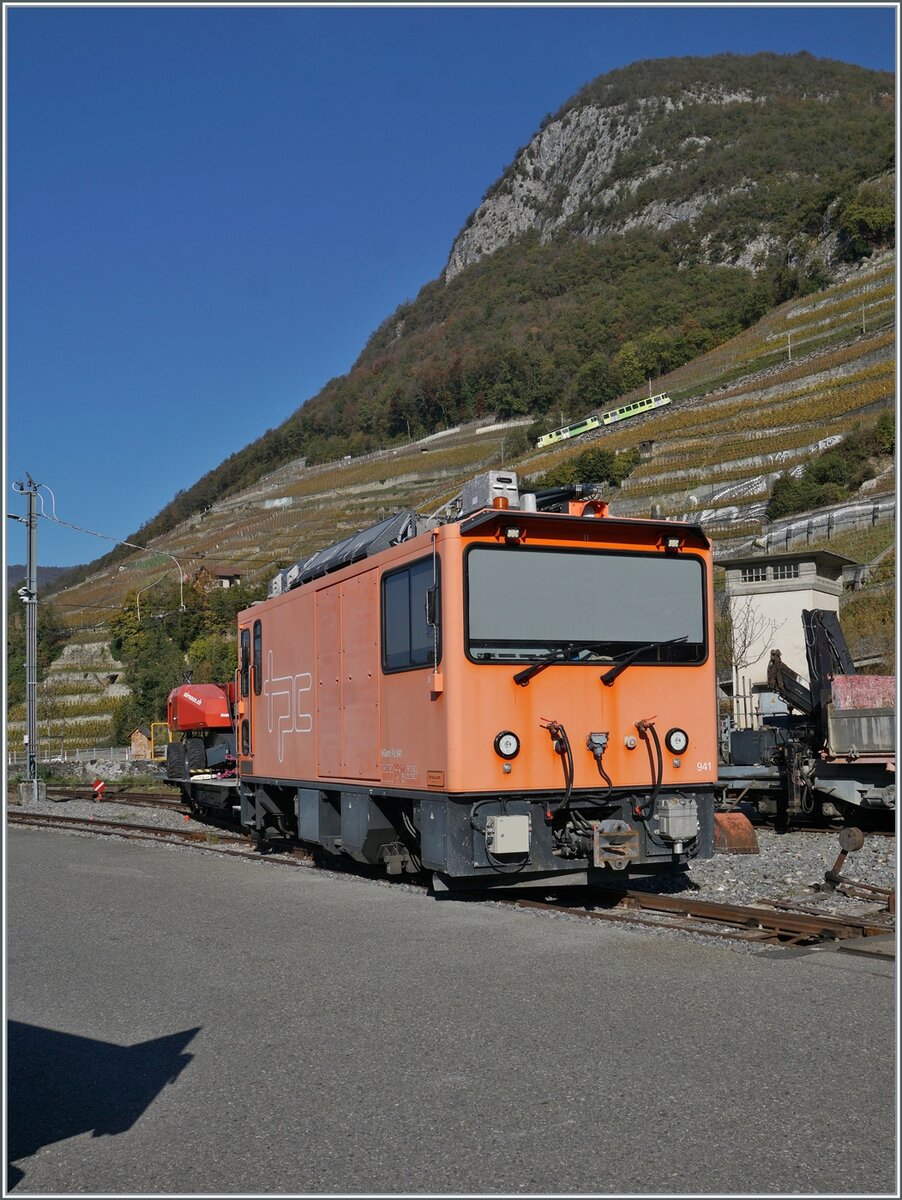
{"x":60,"y":1085}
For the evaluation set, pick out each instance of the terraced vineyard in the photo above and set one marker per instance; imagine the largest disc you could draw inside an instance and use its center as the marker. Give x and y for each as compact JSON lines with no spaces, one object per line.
{"x":758,"y":405}
{"x":75,"y":698}
{"x":296,"y":510}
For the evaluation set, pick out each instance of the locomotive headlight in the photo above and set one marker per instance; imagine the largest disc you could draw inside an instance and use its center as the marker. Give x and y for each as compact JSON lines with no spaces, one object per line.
{"x":676,"y":740}
{"x":507,"y":744}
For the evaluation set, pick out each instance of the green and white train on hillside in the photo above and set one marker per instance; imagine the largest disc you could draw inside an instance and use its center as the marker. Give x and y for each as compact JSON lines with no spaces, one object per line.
{"x":608,"y":418}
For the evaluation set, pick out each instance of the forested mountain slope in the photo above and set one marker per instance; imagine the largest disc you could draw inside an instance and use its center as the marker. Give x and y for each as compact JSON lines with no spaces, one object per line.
{"x":756,"y":406}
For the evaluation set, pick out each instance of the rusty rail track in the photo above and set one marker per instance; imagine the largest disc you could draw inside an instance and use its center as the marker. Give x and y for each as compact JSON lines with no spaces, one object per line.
{"x":138,"y":799}
{"x":773,"y":923}
{"x":165,"y":800}
{"x":236,"y":845}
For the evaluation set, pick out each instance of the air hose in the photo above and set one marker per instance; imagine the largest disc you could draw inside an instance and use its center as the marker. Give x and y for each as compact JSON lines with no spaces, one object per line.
{"x":566,"y":491}
{"x":646,"y":726}
{"x":561,"y":744}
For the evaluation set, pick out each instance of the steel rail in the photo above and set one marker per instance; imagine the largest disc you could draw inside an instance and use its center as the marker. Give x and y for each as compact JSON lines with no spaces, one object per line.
{"x":139,"y":799}
{"x":91,"y":824}
{"x":203,"y":839}
{"x":764,"y":923}
{"x":792,"y":925}
{"x":164,"y":800}
{"x":883,"y":921}
{"x":621,"y":916}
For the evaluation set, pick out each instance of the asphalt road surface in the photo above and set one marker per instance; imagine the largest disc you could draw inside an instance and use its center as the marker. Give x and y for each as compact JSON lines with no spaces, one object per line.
{"x":181,"y":1023}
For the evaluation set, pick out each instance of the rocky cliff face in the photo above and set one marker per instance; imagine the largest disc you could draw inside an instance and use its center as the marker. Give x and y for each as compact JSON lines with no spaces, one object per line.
{"x":574,"y":159}
{"x":599,"y":169}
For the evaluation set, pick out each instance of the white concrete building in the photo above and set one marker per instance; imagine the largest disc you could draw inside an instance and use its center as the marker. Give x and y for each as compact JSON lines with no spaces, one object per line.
{"x":766,"y":595}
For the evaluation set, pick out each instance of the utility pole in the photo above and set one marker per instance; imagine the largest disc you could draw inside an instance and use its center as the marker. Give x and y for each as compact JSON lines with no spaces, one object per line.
{"x":29,"y":596}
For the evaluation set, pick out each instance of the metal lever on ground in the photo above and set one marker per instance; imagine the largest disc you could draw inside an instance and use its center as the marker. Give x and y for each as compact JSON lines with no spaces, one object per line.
{"x":834,"y":881}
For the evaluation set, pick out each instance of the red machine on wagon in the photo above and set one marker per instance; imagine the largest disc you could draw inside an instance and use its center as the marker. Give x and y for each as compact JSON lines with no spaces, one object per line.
{"x":204,"y":715}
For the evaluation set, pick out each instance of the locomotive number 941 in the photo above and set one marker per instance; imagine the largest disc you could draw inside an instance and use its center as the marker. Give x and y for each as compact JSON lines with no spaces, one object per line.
{"x":518,"y":692}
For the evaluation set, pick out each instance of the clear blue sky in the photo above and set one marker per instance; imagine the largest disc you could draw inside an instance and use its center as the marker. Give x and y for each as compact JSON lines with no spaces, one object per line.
{"x":210,"y":209}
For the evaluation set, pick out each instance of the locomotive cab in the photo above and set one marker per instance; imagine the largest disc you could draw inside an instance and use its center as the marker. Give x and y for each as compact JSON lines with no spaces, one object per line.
{"x":513,"y":696}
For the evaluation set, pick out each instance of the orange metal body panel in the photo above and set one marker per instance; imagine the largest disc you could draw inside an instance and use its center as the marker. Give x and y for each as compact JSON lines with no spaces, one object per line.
{"x":327,"y":678}
{"x":328,"y":713}
{"x":482,"y":699}
{"x":347,"y":678}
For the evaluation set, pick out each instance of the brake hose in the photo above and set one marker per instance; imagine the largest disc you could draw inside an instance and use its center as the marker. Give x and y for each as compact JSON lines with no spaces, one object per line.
{"x":646,"y":726}
{"x":561,"y":744}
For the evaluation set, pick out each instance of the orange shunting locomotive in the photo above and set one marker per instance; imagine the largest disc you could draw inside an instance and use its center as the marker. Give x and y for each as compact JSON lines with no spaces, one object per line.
{"x":519,"y":691}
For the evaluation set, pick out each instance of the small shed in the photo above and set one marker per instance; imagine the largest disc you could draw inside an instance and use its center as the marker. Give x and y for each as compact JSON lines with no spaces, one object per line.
{"x":140,"y":742}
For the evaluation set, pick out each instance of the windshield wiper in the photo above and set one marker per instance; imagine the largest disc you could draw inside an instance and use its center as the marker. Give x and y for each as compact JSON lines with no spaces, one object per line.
{"x":555,"y":654}
{"x":609,"y":676}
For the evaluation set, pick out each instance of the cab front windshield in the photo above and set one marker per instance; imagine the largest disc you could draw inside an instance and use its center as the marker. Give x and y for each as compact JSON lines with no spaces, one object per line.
{"x":591,"y":605}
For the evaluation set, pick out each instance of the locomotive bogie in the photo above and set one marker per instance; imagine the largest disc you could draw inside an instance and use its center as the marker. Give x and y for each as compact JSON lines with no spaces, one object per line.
{"x":479,"y":840}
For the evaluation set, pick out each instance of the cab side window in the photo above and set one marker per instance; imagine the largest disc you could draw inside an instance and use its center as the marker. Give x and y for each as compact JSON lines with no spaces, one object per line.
{"x":245,"y":662}
{"x":410,"y":617}
{"x":258,"y":657}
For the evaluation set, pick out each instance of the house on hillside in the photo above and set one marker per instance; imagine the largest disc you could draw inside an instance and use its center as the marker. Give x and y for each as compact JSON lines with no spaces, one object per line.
{"x":210,"y":576}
